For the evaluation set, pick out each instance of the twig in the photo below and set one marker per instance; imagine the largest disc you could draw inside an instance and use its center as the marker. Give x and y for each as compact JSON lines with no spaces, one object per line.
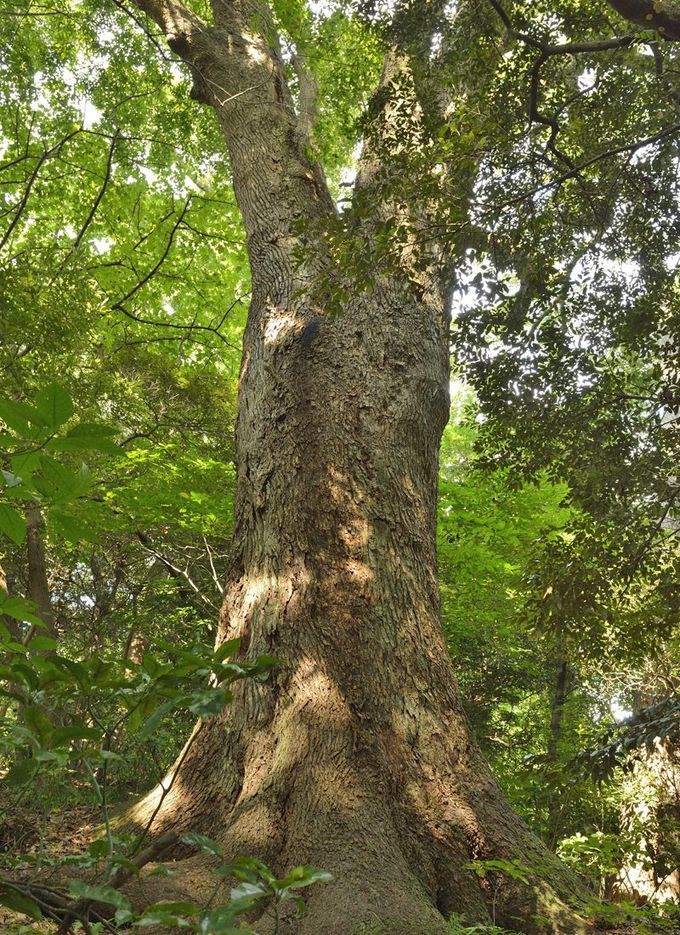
{"x":166,"y":789}
{"x":145,"y":856}
{"x":157,"y":266}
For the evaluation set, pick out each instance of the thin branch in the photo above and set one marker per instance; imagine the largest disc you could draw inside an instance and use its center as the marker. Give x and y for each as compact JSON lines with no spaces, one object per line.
{"x":176,"y":571}
{"x":580,"y":167}
{"x":152,"y":851}
{"x":174,"y":326}
{"x":218,"y":583}
{"x":157,"y":266}
{"x":650,"y":539}
{"x":548,"y":51}
{"x":93,"y":209}
{"x":138,"y":21}
{"x":21,"y":206}
{"x":23,"y":13}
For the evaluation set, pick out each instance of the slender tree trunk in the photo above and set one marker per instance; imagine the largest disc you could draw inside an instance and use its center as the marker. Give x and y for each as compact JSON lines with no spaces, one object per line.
{"x":559,"y":699}
{"x":38,"y":584}
{"x":650,"y":814}
{"x":355,"y":755}
{"x":137,"y":641}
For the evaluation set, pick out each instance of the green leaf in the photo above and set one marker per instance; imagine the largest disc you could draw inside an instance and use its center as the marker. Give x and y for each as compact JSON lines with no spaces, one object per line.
{"x":11,"y":480}
{"x":18,"y":416}
{"x":226,"y":650}
{"x":19,"y":902}
{"x":21,"y":773}
{"x":152,"y":722}
{"x":176,"y":908}
{"x":12,"y":523}
{"x":220,"y":921}
{"x":54,"y":404}
{"x":87,"y":436}
{"x":209,"y":702}
{"x":75,"y":732}
{"x":24,"y":465}
{"x":250,"y":891}
{"x":101,"y":894}
{"x":205,"y":843}
{"x":161,"y":917}
{"x":300,"y":877}
{"x":70,"y":529}
{"x":42,"y":644}
{"x":59,"y":483}
{"x":20,"y":609}
{"x":111,"y":756}
{"x":60,"y":757}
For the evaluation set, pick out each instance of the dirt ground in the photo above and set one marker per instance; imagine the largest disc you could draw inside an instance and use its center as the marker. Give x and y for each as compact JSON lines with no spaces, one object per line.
{"x":64,"y":832}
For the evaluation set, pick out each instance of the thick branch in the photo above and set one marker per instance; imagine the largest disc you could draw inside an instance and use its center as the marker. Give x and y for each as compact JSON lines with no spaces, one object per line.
{"x":238,"y":69}
{"x":178,"y":23}
{"x":187,"y":35}
{"x":662,"y":15}
{"x":307,"y":97}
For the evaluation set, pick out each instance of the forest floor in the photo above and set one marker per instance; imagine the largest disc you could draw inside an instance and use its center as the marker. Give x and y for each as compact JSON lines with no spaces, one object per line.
{"x":47,"y":838}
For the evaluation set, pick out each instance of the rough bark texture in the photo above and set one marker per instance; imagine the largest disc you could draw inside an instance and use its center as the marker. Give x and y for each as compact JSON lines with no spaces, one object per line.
{"x":355,"y":755}
{"x":650,"y":814}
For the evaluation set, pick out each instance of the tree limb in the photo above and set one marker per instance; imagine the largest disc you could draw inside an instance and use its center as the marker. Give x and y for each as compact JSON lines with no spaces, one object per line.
{"x":307,"y":96}
{"x":662,"y":15}
{"x":187,"y":34}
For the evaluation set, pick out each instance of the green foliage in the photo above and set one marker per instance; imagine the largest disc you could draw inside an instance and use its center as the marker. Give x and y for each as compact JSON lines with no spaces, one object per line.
{"x":258,"y":889}
{"x":70,"y":713}
{"x":33,"y":475}
{"x":658,"y":723}
{"x":54,"y":690}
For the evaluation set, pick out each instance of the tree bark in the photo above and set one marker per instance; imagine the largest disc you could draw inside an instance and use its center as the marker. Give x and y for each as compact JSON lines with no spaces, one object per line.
{"x":559,"y":699}
{"x":355,"y":755}
{"x":650,"y":814}
{"x":650,"y":14}
{"x":38,"y":584}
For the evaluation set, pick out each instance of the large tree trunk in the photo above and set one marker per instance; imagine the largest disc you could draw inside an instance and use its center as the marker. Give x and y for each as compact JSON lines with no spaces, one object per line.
{"x":355,"y":755}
